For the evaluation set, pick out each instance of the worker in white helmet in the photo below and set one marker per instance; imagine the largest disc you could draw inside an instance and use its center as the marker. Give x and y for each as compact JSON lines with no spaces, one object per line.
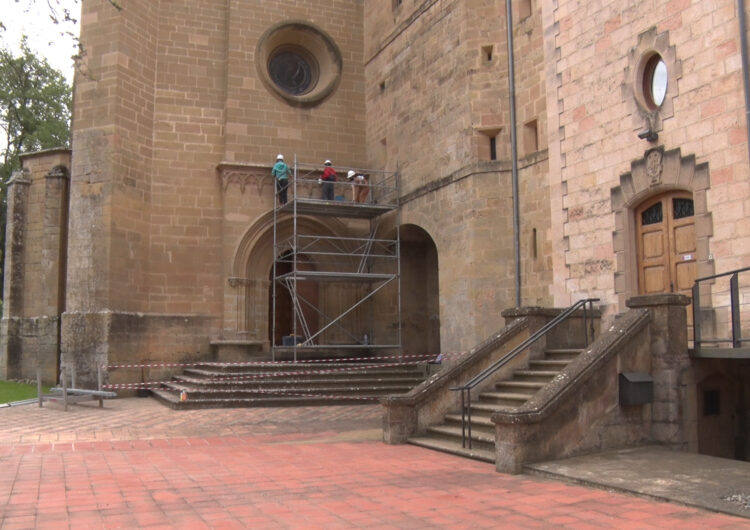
{"x":360,"y":186}
{"x":280,"y":171}
{"x":327,"y":179}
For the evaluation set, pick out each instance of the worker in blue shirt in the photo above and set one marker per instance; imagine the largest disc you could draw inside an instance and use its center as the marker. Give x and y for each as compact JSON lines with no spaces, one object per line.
{"x":280,"y":172}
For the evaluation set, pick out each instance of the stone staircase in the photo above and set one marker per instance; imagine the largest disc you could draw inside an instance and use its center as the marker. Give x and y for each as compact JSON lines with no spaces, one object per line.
{"x":263,"y":384}
{"x":505,"y":395}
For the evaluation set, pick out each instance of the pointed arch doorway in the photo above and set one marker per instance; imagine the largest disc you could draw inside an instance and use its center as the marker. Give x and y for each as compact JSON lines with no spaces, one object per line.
{"x":665,"y":234}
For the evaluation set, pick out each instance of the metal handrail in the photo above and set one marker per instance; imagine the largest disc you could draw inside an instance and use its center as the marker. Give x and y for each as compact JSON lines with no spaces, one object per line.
{"x":466,"y":388}
{"x":734,"y":301}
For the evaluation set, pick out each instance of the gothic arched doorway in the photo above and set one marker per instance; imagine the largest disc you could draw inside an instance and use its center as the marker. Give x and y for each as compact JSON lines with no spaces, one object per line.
{"x":420,"y":298}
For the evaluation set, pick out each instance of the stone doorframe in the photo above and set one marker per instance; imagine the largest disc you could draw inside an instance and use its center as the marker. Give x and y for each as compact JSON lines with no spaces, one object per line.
{"x":657,"y":172}
{"x":246,"y":291}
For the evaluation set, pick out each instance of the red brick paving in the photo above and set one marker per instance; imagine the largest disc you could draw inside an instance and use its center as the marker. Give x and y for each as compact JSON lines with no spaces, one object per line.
{"x":251,"y":468}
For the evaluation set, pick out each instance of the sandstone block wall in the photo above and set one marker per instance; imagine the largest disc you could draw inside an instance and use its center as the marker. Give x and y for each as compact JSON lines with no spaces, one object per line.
{"x":437,"y":91}
{"x":34,"y":289}
{"x":169,"y":98}
{"x":594,"y":121}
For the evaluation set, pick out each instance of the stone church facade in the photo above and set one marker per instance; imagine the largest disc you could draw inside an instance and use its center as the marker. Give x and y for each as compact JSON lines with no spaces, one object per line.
{"x":152,"y":238}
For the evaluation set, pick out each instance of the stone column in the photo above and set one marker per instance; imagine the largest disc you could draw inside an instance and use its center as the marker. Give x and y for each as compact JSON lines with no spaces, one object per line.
{"x":674,"y":417}
{"x":13,"y":280}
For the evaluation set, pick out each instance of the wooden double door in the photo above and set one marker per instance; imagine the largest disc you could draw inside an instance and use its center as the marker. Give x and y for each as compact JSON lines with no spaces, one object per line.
{"x":666,"y":244}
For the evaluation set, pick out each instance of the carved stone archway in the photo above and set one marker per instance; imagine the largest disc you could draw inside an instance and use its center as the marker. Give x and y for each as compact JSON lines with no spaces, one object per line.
{"x":248,"y":285}
{"x":657,"y":172}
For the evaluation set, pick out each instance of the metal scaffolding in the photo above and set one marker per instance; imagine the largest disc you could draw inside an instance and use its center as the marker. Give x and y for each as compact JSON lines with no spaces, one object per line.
{"x":366,"y":261}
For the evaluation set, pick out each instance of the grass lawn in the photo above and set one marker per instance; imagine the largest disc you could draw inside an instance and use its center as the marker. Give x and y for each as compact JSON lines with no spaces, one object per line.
{"x":10,"y":391}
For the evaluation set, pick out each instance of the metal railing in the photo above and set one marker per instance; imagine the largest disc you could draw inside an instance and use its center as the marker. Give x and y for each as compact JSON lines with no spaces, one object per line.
{"x":587,"y":305}
{"x":734,"y":323}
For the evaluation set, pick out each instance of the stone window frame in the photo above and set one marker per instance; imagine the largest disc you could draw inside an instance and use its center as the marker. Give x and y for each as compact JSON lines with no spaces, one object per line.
{"x":656,"y":173}
{"x":645,"y":116}
{"x":303,"y":38}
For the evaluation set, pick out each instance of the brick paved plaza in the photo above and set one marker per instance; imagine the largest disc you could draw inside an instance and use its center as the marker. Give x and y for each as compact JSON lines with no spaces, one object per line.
{"x":139,"y":464}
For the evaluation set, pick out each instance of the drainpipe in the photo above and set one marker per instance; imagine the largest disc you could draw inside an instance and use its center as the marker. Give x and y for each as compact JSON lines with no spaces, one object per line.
{"x":514,"y":152}
{"x":745,"y":73}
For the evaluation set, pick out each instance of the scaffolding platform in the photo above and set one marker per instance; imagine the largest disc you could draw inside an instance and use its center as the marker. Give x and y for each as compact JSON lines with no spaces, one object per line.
{"x":304,"y":259}
{"x":323,"y":208}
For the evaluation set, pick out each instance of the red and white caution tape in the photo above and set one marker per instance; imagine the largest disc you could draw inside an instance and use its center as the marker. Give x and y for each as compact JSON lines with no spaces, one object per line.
{"x":305,"y":361}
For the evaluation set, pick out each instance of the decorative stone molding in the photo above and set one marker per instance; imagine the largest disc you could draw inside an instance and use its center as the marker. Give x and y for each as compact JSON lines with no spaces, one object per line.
{"x":650,"y":44}
{"x":654,"y":166}
{"x":22,"y":176}
{"x":58,"y":172}
{"x":656,"y":173}
{"x":244,"y":175}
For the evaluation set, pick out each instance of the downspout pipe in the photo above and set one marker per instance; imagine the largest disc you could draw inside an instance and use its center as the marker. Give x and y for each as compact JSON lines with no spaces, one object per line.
{"x":745,"y":69}
{"x":514,"y":152}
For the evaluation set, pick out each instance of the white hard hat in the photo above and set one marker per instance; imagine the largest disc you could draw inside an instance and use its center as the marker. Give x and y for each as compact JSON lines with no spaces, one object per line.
{"x":351,"y":174}
{"x":279,"y":157}
{"x":327,"y":163}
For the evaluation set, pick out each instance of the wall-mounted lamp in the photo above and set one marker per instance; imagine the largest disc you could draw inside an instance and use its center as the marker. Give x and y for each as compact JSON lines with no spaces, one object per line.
{"x":648,"y":135}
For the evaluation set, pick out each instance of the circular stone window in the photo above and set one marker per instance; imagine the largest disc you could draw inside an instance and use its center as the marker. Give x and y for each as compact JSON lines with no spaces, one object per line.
{"x":298,"y":62}
{"x":653,"y":81}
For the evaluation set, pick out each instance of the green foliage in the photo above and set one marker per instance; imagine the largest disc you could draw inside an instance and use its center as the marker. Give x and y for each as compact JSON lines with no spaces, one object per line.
{"x":35,"y":102}
{"x":35,"y":108}
{"x":10,"y":391}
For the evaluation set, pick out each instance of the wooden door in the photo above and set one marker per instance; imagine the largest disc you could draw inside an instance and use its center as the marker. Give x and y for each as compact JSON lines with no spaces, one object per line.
{"x":307,"y":292}
{"x":666,"y":244}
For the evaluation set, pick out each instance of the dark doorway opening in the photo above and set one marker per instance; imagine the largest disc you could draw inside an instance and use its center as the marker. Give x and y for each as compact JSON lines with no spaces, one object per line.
{"x":307,"y":293}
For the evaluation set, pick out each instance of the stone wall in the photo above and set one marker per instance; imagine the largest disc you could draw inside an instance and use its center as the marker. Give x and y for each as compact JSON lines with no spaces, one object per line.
{"x":592,"y":51}
{"x":34,"y":289}
{"x":437,"y":92}
{"x":172,"y":122}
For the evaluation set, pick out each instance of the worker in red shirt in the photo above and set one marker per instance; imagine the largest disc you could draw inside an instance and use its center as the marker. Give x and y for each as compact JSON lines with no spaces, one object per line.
{"x":327,"y":179}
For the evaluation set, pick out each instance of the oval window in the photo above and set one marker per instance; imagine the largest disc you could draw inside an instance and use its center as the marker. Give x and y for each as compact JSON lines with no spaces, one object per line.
{"x":655,"y":82}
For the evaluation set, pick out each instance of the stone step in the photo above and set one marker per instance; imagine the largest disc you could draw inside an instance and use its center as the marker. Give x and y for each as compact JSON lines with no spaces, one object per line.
{"x":309,"y":370}
{"x":541,"y":376}
{"x":548,"y":364}
{"x":372,"y":390}
{"x":504,"y":398}
{"x":289,"y":384}
{"x":311,"y":382}
{"x":452,"y":434}
{"x":454,"y":431}
{"x":173,"y":401}
{"x":278,"y":367}
{"x":480,"y":424}
{"x":448,"y":446}
{"x":477,"y":419}
{"x":519,"y":387}
{"x":562,"y":353}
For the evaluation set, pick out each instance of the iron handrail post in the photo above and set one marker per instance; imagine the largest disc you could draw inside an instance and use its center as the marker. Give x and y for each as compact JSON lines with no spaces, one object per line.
{"x":463,"y":417}
{"x":585,"y":325}
{"x":468,"y":413}
{"x":734,"y":292}
{"x":696,"y":319}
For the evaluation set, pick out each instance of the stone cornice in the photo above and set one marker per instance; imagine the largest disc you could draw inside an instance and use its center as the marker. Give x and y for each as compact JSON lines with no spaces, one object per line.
{"x":243,"y":174}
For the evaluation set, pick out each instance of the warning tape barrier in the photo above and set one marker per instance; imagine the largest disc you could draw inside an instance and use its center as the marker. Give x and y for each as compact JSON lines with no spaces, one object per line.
{"x":185,"y":395}
{"x":281,"y":363}
{"x":260,"y":375}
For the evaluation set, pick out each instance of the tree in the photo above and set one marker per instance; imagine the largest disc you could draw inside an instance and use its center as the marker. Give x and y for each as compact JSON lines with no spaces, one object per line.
{"x":35,"y":107}
{"x":35,"y":103}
